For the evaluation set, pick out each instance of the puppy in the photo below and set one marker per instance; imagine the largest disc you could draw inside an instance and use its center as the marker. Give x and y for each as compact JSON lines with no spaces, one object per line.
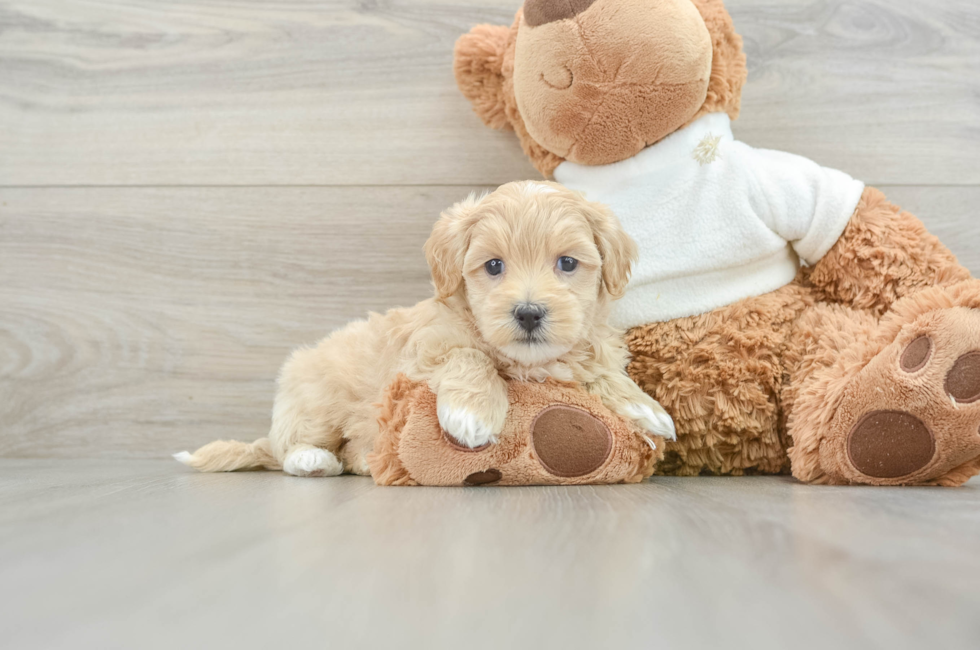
{"x":524,"y":277}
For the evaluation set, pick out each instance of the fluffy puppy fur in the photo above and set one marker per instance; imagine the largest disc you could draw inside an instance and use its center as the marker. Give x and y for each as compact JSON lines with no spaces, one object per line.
{"x":497,"y":260}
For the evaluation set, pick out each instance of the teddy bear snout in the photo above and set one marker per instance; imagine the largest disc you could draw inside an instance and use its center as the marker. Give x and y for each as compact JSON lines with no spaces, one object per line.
{"x":617,"y":77}
{"x":541,"y":12}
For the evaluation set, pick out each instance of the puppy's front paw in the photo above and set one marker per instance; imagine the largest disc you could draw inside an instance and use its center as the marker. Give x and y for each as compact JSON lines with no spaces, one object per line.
{"x":656,"y":421}
{"x":466,"y":426}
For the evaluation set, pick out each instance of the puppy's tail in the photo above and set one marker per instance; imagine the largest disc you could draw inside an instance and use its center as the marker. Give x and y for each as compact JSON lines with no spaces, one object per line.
{"x":231,"y":455}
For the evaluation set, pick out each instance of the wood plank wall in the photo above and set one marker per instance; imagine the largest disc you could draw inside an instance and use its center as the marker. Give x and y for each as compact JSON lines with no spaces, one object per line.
{"x":190,"y":189}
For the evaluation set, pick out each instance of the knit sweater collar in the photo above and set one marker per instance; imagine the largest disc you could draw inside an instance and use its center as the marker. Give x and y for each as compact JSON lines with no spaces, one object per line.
{"x":676,"y":148}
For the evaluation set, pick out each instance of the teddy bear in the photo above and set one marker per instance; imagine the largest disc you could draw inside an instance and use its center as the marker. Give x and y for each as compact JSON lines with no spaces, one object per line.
{"x":555,"y":434}
{"x":789,"y":318}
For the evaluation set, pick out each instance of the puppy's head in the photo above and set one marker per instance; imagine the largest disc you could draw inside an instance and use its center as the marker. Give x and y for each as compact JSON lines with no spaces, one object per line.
{"x":536,"y":264}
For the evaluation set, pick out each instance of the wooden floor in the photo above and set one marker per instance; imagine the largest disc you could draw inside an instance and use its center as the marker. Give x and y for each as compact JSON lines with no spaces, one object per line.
{"x":138,"y":554}
{"x":188,"y":190}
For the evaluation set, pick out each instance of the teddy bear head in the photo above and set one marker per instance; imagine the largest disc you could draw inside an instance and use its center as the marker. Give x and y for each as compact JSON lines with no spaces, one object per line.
{"x":596,"y":81}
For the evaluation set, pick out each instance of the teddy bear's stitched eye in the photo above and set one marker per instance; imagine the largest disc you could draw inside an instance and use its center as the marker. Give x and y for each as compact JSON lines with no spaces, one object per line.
{"x":567,"y":264}
{"x":560,"y":79}
{"x":494,"y":267}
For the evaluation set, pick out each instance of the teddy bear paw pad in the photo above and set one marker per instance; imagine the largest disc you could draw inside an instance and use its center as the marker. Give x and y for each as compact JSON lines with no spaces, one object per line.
{"x":483,"y":478}
{"x":963,"y":379}
{"x":890,"y":444}
{"x":916,"y":354}
{"x":913,"y":413}
{"x":570,"y":442}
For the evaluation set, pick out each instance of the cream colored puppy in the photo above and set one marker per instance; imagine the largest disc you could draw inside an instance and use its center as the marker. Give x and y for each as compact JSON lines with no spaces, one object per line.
{"x":524,"y":277}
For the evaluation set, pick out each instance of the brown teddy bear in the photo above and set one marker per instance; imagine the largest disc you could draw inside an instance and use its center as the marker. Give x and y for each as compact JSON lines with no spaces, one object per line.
{"x":555,"y":434}
{"x":788,"y":317}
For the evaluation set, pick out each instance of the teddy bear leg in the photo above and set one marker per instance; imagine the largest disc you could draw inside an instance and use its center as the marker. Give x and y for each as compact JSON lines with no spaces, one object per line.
{"x":895,"y":402}
{"x":719,"y":376}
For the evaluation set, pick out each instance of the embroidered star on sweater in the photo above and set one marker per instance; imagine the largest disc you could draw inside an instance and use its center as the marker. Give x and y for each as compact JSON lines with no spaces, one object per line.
{"x":707,"y":150}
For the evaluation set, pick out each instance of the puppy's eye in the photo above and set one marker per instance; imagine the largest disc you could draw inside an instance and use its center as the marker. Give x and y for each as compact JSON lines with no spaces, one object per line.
{"x":567,"y":264}
{"x":494,"y":267}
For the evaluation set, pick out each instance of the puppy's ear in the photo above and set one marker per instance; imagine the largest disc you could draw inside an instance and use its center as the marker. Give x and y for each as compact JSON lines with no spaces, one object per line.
{"x":478,"y":62}
{"x":618,"y":250}
{"x":446,"y":247}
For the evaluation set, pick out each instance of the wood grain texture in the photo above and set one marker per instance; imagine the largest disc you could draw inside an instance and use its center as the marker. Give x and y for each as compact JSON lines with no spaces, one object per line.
{"x":137,"y":322}
{"x":134,"y":320}
{"x":145,"y":554}
{"x":124,"y":92}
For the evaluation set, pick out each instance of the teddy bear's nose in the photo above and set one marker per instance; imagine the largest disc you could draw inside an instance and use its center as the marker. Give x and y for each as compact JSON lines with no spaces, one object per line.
{"x":539,"y":12}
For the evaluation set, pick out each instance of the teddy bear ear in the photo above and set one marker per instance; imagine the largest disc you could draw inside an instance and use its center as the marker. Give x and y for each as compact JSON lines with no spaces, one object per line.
{"x":728,"y":70}
{"x":478,"y":62}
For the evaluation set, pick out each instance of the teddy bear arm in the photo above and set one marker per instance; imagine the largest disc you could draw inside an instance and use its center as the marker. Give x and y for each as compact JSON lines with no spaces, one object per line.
{"x":555,"y":433}
{"x":883,"y":255}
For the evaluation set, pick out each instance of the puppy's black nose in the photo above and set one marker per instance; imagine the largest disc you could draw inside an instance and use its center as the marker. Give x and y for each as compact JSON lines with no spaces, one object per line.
{"x":529,"y":316}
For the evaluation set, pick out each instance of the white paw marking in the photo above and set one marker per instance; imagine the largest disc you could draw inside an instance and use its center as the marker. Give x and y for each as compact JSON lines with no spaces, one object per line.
{"x":465,"y":426}
{"x":650,"y":443}
{"x":656,"y":422}
{"x":312,"y":462}
{"x":183,"y":457}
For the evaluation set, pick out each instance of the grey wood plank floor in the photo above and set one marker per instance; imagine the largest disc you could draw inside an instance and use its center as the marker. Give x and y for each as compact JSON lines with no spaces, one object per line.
{"x":136,"y":554}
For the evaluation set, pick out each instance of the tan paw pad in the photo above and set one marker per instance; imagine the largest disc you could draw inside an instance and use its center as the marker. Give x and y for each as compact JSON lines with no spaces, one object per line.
{"x":483,"y":478}
{"x":890,"y":444}
{"x":912,"y":414}
{"x":917,"y":354}
{"x":963,"y":379}
{"x":570,"y":442}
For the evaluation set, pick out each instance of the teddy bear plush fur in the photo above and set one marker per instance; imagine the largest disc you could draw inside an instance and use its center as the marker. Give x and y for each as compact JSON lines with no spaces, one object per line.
{"x":864,"y":369}
{"x":555,"y":434}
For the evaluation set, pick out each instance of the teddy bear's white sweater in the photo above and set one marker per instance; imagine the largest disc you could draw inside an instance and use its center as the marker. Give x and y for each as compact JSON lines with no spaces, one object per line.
{"x":715,"y":220}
